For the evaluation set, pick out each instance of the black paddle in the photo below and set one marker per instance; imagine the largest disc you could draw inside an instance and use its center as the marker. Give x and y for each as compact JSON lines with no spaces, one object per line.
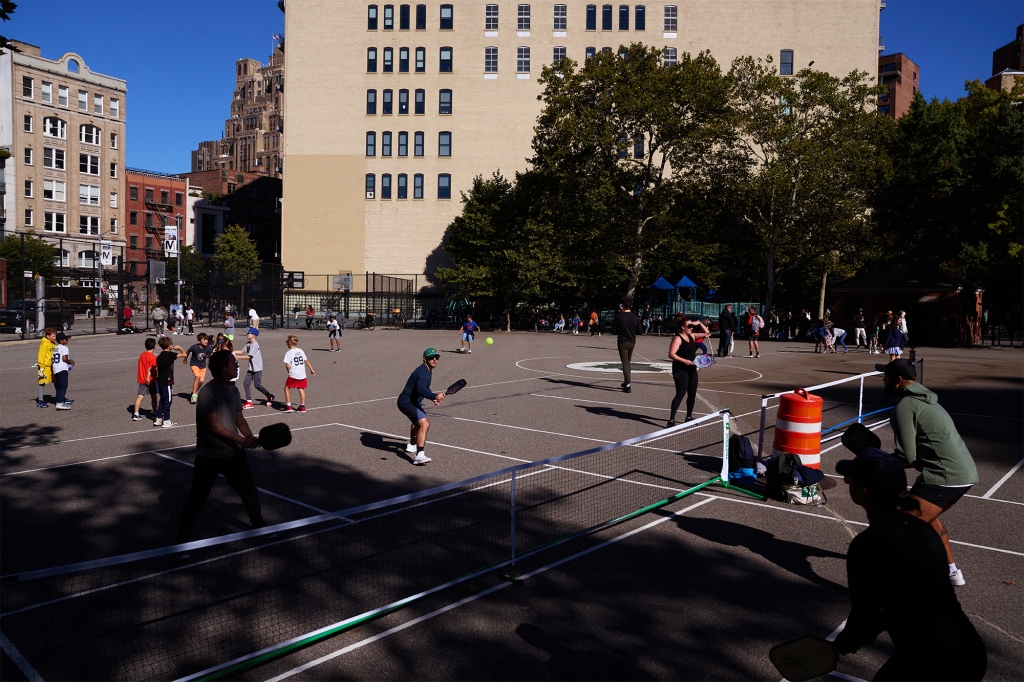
{"x":456,"y":387}
{"x":275,"y":436}
{"x":804,"y":658}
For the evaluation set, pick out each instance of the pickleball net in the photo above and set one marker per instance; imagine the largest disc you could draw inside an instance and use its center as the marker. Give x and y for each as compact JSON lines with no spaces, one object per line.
{"x":242,"y":599}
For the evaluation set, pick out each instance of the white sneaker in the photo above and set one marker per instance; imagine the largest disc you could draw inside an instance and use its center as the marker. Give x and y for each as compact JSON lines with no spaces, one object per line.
{"x":411,"y":448}
{"x":168,"y":424}
{"x":158,"y":422}
{"x":421,"y":458}
{"x":957,"y":578}
{"x":469,"y":351}
{"x":136,"y":417}
{"x":63,"y":406}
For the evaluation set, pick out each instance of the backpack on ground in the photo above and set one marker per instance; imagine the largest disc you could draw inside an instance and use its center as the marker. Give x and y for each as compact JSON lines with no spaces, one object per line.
{"x":741,"y":460}
{"x":789,"y":481}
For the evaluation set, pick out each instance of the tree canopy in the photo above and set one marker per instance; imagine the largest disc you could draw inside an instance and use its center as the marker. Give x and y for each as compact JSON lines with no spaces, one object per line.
{"x":40,"y":258}
{"x":236,"y":256}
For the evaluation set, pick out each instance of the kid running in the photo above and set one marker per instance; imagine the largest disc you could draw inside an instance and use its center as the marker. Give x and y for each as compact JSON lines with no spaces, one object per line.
{"x":62,"y":365}
{"x":469,"y":328}
{"x":146,"y":378}
{"x":295,"y":363}
{"x":165,"y":379}
{"x":254,"y":374}
{"x":334,"y":334}
{"x":195,"y":358}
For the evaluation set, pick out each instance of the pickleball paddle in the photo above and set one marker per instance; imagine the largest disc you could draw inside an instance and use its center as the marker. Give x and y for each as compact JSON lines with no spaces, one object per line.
{"x":804,"y":658}
{"x":456,"y":387}
{"x":858,"y":438}
{"x":275,"y":436}
{"x":703,"y":361}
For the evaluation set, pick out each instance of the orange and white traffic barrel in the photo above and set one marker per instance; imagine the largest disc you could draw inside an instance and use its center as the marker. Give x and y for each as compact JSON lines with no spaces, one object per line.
{"x":798,"y":427}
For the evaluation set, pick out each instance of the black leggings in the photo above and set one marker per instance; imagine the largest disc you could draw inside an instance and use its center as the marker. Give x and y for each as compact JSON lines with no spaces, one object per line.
{"x":685,"y":378}
{"x":236,"y":470}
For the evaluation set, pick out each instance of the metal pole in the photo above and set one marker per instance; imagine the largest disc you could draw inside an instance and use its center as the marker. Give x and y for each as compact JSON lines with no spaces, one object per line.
{"x":98,"y":299}
{"x":760,"y":433}
{"x":724,"y":474}
{"x":860,"y":403}
{"x":60,"y":275}
{"x":177,"y":238}
{"x":120,"y":291}
{"x":512,"y":495}
{"x":24,"y":315}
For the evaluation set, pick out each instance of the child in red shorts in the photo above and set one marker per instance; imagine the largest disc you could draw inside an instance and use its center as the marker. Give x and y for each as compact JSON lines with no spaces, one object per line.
{"x":296,"y":362}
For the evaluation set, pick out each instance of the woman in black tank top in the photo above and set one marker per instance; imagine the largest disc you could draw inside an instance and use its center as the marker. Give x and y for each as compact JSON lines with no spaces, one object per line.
{"x":683,"y":351}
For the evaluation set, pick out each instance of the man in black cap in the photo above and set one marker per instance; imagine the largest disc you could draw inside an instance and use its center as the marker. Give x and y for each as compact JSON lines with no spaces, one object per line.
{"x":897,"y":577}
{"x":859,"y":332}
{"x":927,"y":440}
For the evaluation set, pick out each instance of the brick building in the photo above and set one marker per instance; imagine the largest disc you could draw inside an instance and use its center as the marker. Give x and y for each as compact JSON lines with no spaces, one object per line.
{"x":1007,"y":64}
{"x":153,"y":201}
{"x":902,"y":77}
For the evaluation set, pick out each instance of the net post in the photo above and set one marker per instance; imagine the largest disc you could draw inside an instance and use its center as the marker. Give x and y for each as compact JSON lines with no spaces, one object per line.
{"x":760,"y":432}
{"x":860,"y":403}
{"x":511,"y":576}
{"x":725,"y":445}
{"x":920,"y":371}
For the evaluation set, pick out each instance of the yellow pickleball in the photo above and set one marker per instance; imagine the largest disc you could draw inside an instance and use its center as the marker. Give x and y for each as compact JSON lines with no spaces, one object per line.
{"x":489,"y":341}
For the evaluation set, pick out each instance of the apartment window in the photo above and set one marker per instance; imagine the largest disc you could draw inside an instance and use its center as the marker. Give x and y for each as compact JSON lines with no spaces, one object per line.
{"x":417,"y":186}
{"x":113,"y":200}
{"x":87,"y":259}
{"x":385,"y":186}
{"x":371,"y":18}
{"x":444,"y":186}
{"x":29,"y":189}
{"x":403,"y":102}
{"x":114,"y":107}
{"x":83,"y":100}
{"x":490,"y":60}
{"x":149,"y":195}
{"x":389,"y":64}
{"x":623,"y":17}
{"x":421,"y":17}
{"x":113,"y":170}
{"x":371,"y":60}
{"x":523,"y":18}
{"x":28,"y":217}
{"x":606,"y":50}
{"x":444,"y":99}
{"x":491,"y":18}
{"x":53,"y":158}
{"x":54,"y":222}
{"x":54,"y":190}
{"x":28,"y":123}
{"x":606,"y":17}
{"x":165,"y":198}
{"x":883,"y":109}
{"x":88,"y":224}
{"x":47,"y":92}
{"x":149,"y":242}
{"x":591,"y":17}
{"x":133,"y":217}
{"x":89,"y":134}
{"x":640,"y":18}
{"x":421,"y":99}
{"x":389,"y":17}
{"x":403,"y":186}
{"x":371,"y":102}
{"x":55,"y":127}
{"x":446,"y":18}
{"x":557,"y":55}
{"x":149,"y":222}
{"x":133,"y":241}
{"x":671,"y":19}
{"x":27,"y":87}
{"x":591,"y":51}
{"x":522,"y":60}
{"x":62,"y":95}
{"x":417,"y":143}
{"x":89,"y":195}
{"x":385,"y":143}
{"x":444,"y":143}
{"x":179,"y":197}
{"x":559,"y":20}
{"x":113,"y":140}
{"x":371,"y":144}
{"x":386,"y":103}
{"x":371,"y":181}
{"x":403,"y":60}
{"x":446,"y":60}
{"x":638,"y":148}
{"x":403,"y":143}
{"x":97,"y":104}
{"x":133,"y":194}
{"x":403,"y":17}
{"x":670,"y":56}
{"x":786,"y":63}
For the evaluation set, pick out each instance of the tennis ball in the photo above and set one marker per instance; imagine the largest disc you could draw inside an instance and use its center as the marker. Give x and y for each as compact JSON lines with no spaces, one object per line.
{"x":489,"y":341}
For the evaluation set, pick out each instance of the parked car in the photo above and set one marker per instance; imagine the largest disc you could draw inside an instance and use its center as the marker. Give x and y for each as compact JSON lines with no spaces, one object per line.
{"x":13,"y":316}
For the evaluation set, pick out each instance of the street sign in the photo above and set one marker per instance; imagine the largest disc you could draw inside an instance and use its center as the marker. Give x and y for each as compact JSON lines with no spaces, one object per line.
{"x":341,"y":282}
{"x":171,"y":241}
{"x":28,"y":274}
{"x":106,"y":252}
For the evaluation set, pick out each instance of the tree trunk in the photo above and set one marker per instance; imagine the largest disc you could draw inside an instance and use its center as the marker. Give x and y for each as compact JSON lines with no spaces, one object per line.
{"x":821,"y":297}
{"x":634,"y":274}
{"x":770,"y":282}
{"x":508,"y":316}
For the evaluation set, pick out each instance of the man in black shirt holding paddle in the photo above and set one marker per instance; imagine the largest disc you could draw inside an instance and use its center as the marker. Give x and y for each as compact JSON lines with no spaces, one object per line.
{"x":417,"y":387}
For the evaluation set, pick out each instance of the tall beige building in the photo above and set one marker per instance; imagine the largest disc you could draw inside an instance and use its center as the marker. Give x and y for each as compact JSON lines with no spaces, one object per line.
{"x":394,"y":108}
{"x":65,"y":128}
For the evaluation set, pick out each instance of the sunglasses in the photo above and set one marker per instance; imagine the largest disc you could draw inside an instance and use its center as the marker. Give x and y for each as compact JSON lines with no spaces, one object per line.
{"x":434,"y":357}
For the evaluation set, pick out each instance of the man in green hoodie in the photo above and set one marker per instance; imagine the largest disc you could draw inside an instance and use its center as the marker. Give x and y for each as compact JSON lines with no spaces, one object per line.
{"x":927,"y":440}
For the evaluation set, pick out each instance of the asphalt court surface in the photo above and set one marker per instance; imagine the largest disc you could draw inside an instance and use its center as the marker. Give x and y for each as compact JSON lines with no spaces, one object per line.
{"x":733,"y":576}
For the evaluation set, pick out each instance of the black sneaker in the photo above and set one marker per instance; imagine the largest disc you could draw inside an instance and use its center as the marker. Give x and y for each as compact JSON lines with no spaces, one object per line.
{"x":627,"y":389}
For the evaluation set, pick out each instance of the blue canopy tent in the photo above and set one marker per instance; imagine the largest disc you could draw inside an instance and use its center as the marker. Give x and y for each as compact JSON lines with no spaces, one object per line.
{"x":661,"y":283}
{"x":687,"y":283}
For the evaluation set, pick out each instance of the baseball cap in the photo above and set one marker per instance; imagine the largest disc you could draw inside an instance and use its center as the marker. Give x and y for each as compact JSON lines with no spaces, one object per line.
{"x":254,"y":331}
{"x":904,"y":369}
{"x":61,"y":336}
{"x":876,"y":470}
{"x":431,"y":353}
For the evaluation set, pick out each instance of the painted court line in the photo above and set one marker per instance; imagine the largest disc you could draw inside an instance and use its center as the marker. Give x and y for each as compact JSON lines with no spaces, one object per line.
{"x":1003,"y":480}
{"x":89,"y":461}
{"x":23,"y":665}
{"x":462,"y":602}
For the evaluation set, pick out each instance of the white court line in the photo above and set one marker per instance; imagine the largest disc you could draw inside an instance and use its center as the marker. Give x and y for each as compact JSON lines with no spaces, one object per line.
{"x":994,"y":499}
{"x":479,"y":595}
{"x":1003,"y":480}
{"x":89,"y":461}
{"x":524,"y":428}
{"x":430,"y":442}
{"x":665,"y":383}
{"x":23,"y":665}
{"x":262,"y":490}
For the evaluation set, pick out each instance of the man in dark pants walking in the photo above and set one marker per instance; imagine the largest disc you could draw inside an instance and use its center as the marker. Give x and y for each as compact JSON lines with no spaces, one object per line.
{"x":221,"y":436}
{"x":726,"y":328}
{"x":626,"y":326}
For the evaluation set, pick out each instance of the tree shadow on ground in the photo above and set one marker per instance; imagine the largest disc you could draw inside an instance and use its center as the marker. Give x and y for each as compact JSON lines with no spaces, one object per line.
{"x":30,"y":435}
{"x":578,"y":664}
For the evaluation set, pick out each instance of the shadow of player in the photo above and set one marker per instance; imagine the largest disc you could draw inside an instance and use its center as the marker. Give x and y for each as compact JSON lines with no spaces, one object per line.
{"x":578,"y":664}
{"x":384,"y":444}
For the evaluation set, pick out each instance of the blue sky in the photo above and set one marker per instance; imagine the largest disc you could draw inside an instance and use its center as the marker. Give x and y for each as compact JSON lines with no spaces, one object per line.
{"x":178,"y":56}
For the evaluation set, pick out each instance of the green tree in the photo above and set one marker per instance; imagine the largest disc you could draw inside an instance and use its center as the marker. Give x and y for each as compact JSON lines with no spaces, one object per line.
{"x":193,"y":267}
{"x":236,"y":256}
{"x":807,"y":157}
{"x":6,"y":10}
{"x":40,"y":258}
{"x":618,"y":143}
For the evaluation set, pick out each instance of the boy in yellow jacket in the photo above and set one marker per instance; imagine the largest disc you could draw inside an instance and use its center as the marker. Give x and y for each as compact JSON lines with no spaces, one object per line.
{"x":44,"y":361}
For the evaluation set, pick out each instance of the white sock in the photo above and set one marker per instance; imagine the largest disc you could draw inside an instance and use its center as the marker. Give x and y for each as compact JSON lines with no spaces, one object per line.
{"x":288,"y":404}
{"x":952,"y":568}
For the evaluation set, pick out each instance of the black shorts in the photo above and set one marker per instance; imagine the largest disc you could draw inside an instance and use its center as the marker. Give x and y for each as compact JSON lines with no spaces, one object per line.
{"x":942,"y":496}
{"x":413,"y":412}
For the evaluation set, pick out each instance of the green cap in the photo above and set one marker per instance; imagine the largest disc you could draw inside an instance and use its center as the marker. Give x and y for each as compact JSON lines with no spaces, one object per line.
{"x":431,"y":353}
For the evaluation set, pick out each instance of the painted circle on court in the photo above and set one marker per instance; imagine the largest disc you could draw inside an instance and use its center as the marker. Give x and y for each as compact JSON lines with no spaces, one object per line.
{"x":616,"y":367}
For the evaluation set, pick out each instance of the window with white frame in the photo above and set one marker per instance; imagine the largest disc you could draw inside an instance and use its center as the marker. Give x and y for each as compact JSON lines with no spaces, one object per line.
{"x":89,"y":224}
{"x":113,"y":140}
{"x":64,"y":259}
{"x":559,"y":18}
{"x":89,"y":195}
{"x":522,"y":60}
{"x":83,"y":100}
{"x":88,"y":259}
{"x":54,"y":190}
{"x":29,"y":189}
{"x":97,"y":104}
{"x":113,"y":170}
{"x":89,"y":134}
{"x":28,"y":123}
{"x":490,"y":60}
{"x":113,"y":230}
{"x":491,"y":18}
{"x":557,"y":55}
{"x":54,"y":222}
{"x":671,"y":19}
{"x":62,"y":95}
{"x":523,"y":18}
{"x":113,"y":200}
{"x":89,"y":164}
{"x":53,"y":158}
{"x":28,"y":156}
{"x":47,"y":92}
{"x":114,"y":107}
{"x":55,"y":127}
{"x":670,"y":56}
{"x":27,"y":87}
{"x":29,"y":215}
